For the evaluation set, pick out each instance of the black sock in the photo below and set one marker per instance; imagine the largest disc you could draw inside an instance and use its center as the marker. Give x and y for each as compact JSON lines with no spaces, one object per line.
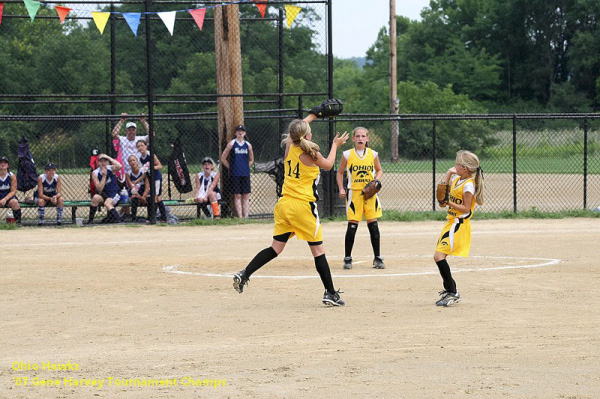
{"x":261,"y":259}
{"x":93,"y":210}
{"x":162,"y":209}
{"x":323,"y":270}
{"x":350,"y":234}
{"x":374,"y":231}
{"x":449,"y":283}
{"x":114,"y":214}
{"x":134,"y":206}
{"x":17,"y":215}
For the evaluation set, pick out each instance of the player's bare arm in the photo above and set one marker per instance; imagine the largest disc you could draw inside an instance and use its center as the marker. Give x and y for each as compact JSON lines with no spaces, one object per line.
{"x":119,"y":125}
{"x":58,"y":188}
{"x":465,"y":206}
{"x":378,"y":168}
{"x":250,"y":155}
{"x":225,"y":154}
{"x":339,"y":177}
{"x":327,"y":163}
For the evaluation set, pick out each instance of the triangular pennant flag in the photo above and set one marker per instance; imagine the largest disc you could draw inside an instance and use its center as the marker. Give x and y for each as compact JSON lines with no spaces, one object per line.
{"x":198,"y":16}
{"x":291,"y":12}
{"x":32,"y":8}
{"x":62,"y":13}
{"x":261,"y":8}
{"x":133,"y":20}
{"x":168,"y":18}
{"x":100,"y":18}
{"x":1,"y":9}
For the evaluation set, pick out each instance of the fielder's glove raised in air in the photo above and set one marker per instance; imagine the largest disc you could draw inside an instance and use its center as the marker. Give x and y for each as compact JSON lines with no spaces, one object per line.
{"x":331,"y":107}
{"x":442,"y":194}
{"x":372,"y":188}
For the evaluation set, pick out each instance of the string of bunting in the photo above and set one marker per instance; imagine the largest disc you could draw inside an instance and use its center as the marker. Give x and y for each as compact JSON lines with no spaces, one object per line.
{"x":168,"y":17}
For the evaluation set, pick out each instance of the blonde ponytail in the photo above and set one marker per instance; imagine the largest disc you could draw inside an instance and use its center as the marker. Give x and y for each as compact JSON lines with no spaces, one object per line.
{"x":471,"y":162}
{"x":310,"y":148}
{"x":296,"y":131}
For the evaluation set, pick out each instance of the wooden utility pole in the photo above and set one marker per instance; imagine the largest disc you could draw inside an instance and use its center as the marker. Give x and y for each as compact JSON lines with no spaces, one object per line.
{"x":230,"y":109}
{"x":394,"y":100}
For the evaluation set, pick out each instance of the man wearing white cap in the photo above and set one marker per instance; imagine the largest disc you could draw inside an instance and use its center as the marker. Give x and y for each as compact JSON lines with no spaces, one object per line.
{"x":128,"y":142}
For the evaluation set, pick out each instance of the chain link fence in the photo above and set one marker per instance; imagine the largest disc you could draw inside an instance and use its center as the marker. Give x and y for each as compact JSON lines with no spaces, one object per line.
{"x":64,"y":87}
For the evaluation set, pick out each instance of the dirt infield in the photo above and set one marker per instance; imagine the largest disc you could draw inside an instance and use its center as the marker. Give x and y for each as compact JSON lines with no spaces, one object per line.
{"x":137,"y":307}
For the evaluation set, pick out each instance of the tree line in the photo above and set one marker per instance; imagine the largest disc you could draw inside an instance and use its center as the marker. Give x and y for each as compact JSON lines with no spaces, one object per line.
{"x":463,"y":56}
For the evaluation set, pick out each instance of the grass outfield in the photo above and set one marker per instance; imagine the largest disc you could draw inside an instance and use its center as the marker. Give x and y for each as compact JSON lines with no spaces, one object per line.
{"x":525,"y":164}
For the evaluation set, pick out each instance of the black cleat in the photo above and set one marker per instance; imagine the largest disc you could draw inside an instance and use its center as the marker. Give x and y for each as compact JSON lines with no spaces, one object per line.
{"x":239,"y":281}
{"x":333,"y":299}
{"x":378,"y":263}
{"x":348,"y":262}
{"x":448,"y":298}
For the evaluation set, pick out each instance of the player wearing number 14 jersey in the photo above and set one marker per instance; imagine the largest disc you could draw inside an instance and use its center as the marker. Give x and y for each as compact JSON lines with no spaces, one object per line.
{"x":296,"y":211}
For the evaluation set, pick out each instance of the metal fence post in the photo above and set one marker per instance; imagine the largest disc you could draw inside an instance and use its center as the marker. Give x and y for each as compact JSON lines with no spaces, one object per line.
{"x":585,"y":161}
{"x":514,"y":163}
{"x":280,"y":67}
{"x":113,"y":68}
{"x":150,"y":94}
{"x":433,"y":158}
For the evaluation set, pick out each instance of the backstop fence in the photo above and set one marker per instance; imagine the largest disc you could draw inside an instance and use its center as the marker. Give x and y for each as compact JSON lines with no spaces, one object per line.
{"x":549,"y":162}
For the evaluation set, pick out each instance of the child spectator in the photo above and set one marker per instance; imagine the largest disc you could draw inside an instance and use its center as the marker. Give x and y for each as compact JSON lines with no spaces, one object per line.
{"x":139,"y":188}
{"x":242,"y":157}
{"x":207,"y":188}
{"x":107,"y":189}
{"x":49,"y":192}
{"x":145,"y":161}
{"x":8,"y":189}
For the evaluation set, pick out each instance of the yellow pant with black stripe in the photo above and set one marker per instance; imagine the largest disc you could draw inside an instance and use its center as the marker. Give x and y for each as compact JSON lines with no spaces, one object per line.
{"x":357,"y":206}
{"x":455,"y":238}
{"x":300,"y":218}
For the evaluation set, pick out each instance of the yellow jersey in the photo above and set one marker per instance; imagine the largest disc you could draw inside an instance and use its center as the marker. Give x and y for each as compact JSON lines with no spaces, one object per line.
{"x":457,"y":190}
{"x":359,"y":170}
{"x":300,"y":180}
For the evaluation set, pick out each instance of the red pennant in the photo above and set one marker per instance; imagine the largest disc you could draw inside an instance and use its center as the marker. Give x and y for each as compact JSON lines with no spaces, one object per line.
{"x":62,"y":13}
{"x":1,"y":9}
{"x":262,"y":8}
{"x":198,"y":15}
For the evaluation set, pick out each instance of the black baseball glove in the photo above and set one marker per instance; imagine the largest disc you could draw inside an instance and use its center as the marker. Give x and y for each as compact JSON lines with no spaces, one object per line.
{"x":327,"y":108}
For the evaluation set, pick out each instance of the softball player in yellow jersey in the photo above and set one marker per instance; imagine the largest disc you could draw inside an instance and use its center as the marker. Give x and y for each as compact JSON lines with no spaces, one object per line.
{"x":361,"y":165}
{"x":466,"y":189}
{"x":296,"y":211}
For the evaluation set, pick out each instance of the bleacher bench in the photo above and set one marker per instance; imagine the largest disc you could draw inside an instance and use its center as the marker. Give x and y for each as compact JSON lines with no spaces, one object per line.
{"x":86,"y":204}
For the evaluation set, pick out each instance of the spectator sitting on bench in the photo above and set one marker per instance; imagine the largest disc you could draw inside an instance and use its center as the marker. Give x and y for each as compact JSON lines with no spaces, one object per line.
{"x":207,"y":188}
{"x":49,"y":192}
{"x":107,"y":189}
{"x":8,"y":189}
{"x":145,"y":161}
{"x":139,"y":188}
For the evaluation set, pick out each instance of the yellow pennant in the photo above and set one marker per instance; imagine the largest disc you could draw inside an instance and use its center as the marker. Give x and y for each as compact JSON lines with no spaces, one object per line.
{"x":100,"y":18}
{"x":291,"y":12}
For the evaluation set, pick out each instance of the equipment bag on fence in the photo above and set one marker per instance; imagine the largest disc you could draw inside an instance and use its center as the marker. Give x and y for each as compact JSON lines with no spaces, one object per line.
{"x":178,"y":169}
{"x":275,"y":169}
{"x":26,"y":171}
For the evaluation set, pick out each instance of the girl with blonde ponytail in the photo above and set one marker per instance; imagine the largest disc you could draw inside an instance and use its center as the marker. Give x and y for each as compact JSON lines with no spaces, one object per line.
{"x":296,"y":211}
{"x":466,"y":188}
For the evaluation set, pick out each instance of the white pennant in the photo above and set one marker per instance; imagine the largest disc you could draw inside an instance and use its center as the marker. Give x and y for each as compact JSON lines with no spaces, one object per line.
{"x":168,"y":18}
